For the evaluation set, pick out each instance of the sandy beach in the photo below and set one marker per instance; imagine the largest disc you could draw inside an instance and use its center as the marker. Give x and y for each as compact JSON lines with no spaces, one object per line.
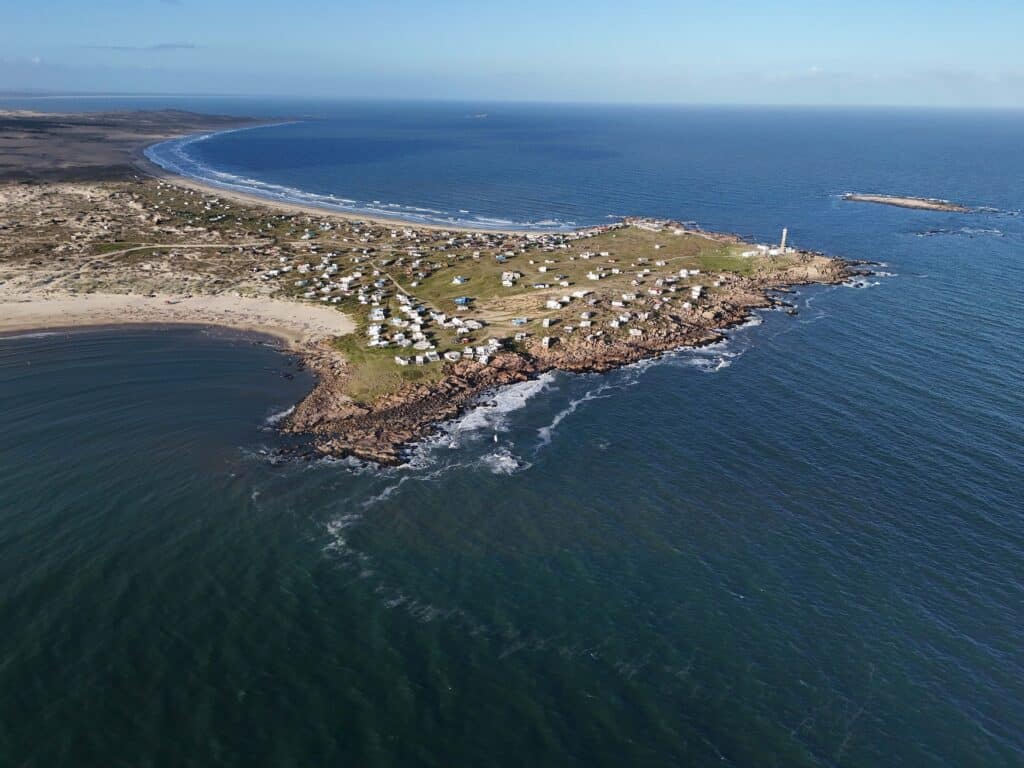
{"x":80,"y":153}
{"x":294,"y":323}
{"x":92,"y":146}
{"x":375,"y":307}
{"x":145,"y":166}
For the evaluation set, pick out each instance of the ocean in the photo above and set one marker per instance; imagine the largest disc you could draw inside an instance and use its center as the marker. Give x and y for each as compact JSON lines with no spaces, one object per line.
{"x":803,"y":546}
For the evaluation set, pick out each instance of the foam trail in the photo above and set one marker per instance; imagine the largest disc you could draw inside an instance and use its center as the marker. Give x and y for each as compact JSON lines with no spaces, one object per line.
{"x":173,"y":156}
{"x":504,"y":462}
{"x":708,"y":359}
{"x":275,"y":418}
{"x":492,"y":415}
{"x":546,"y":433}
{"x":964,"y":232}
{"x":33,"y":335}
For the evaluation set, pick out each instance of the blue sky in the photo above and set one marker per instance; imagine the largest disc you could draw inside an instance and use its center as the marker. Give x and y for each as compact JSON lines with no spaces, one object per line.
{"x":905,"y":52}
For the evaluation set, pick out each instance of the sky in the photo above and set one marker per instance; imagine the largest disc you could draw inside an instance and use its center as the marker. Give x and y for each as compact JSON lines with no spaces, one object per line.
{"x":948,"y":53}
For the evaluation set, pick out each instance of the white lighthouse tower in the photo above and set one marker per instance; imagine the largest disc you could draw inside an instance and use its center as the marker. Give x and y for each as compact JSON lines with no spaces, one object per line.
{"x":785,"y":234}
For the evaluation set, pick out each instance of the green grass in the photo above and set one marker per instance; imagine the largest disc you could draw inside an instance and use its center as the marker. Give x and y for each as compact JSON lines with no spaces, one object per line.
{"x":625,"y":248}
{"x":629,"y":249}
{"x":483,"y":281}
{"x":727,"y":260}
{"x":374,"y":372}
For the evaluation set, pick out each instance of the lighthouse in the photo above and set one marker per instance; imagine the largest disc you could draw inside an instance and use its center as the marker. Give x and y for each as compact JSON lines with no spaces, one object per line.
{"x":785,"y":234}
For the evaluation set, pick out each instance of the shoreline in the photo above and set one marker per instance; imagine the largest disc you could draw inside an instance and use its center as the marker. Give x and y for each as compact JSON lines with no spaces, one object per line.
{"x":270,"y":340}
{"x":375,"y":307}
{"x":294,"y":324}
{"x":387,"y":432}
{"x":149,"y":168}
{"x":64,"y":147}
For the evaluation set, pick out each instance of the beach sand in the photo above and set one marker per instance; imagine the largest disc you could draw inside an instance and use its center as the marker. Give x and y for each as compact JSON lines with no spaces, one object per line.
{"x":100,"y":253}
{"x":146,"y":167}
{"x":91,"y":146}
{"x":294,"y":323}
{"x":95,"y":148}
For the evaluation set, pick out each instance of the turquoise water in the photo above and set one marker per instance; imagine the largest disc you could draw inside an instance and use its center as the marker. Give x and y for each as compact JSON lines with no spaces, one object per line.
{"x":801,"y":547}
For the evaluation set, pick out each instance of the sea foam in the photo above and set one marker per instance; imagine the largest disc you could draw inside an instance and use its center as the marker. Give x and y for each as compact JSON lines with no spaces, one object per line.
{"x":174,"y":156}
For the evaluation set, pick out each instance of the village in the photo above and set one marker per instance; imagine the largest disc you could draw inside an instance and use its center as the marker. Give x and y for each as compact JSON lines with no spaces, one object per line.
{"x":440,"y":314}
{"x":429,"y":297}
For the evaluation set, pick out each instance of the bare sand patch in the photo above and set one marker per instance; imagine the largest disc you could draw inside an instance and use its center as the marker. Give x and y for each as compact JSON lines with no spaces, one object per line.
{"x":290,"y":321}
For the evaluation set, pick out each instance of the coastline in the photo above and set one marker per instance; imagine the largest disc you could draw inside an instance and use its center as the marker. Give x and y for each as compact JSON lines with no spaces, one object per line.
{"x":293,"y":323}
{"x":149,"y":168}
{"x":96,"y":146}
{"x":387,"y":431}
{"x":159,"y":248}
{"x":86,"y":153}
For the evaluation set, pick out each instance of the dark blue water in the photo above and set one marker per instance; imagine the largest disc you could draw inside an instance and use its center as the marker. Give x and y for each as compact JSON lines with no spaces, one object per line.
{"x":544,"y":167}
{"x":802,"y":547}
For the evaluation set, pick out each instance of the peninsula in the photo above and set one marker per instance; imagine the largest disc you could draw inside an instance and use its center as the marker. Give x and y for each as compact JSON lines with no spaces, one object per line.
{"x":919,"y":203}
{"x":404,"y":325}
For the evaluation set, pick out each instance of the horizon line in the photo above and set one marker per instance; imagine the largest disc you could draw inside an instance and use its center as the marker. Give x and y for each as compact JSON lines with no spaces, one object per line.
{"x":91,"y":94}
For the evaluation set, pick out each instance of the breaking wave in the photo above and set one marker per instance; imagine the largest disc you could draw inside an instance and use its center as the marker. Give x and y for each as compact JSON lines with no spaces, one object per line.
{"x":963,"y":232}
{"x":493,"y":413}
{"x":33,"y":335}
{"x":503,"y":462}
{"x":174,"y":156}
{"x":545,"y":433}
{"x":275,"y":418}
{"x":710,"y":359}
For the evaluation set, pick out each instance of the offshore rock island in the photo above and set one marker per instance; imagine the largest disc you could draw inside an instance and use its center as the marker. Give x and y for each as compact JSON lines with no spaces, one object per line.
{"x":916,"y":203}
{"x":404,"y":325}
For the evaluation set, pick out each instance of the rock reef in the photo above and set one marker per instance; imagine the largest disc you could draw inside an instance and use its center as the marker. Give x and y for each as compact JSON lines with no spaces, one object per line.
{"x":918,"y":203}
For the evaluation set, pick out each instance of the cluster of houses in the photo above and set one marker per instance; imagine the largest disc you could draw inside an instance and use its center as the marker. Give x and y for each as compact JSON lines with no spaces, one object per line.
{"x":403,"y":332}
{"x":509,"y":278}
{"x":322,"y":281}
{"x":771,"y":250}
{"x":410,"y":329}
{"x":767,"y":250}
{"x":481,"y":353}
{"x":449,"y":245}
{"x":424,"y":252}
{"x":626,"y":317}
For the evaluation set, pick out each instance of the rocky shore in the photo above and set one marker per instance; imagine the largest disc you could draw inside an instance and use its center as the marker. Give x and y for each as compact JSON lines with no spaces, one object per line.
{"x":382,"y":431}
{"x":405,"y":326}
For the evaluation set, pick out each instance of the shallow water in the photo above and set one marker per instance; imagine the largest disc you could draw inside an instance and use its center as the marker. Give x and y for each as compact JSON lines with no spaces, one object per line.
{"x":800,"y":547}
